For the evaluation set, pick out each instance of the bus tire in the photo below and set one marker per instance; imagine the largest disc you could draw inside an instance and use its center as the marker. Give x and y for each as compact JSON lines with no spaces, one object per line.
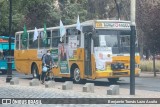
{"x":76,"y":76}
{"x":113,"y":80}
{"x":35,"y":71}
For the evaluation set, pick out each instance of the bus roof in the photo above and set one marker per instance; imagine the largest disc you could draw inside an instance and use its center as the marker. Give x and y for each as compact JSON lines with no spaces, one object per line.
{"x":86,"y":23}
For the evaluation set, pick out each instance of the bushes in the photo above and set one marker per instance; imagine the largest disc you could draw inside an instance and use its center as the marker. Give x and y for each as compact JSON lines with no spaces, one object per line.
{"x":147,"y":65}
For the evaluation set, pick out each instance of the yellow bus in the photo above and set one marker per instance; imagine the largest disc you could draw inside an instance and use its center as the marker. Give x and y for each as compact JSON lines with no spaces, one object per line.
{"x":100,"y":50}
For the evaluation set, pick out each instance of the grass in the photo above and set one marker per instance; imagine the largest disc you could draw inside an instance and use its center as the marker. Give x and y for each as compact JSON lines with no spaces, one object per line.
{"x":147,"y":65}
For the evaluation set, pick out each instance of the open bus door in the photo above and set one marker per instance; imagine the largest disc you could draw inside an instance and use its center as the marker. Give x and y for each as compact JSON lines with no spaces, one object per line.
{"x":87,"y":30}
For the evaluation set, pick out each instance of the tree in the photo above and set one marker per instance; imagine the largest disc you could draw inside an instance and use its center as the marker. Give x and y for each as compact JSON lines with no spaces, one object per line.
{"x":34,"y":13}
{"x":16,"y":17}
{"x":104,"y":9}
{"x":4,"y":14}
{"x":70,"y":9}
{"x":148,"y":22}
{"x":39,"y":11}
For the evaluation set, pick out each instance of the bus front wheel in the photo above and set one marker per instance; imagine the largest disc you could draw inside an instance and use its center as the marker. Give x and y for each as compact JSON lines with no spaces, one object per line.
{"x":76,"y":76}
{"x":113,"y":80}
{"x":35,"y":71}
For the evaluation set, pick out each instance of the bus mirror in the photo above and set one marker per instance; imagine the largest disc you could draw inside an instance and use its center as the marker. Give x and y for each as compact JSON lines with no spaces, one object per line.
{"x":87,"y":29}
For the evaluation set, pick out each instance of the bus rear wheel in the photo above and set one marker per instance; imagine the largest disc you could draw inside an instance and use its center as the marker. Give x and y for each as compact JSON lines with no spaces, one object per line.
{"x":113,"y":80}
{"x":35,"y":71}
{"x":76,"y":76}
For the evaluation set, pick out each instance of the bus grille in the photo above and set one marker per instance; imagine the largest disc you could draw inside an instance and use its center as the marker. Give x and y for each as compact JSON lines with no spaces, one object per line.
{"x":120,"y":73}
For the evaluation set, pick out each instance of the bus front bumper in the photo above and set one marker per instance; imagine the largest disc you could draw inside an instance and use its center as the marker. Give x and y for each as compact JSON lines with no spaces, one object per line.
{"x":116,"y":74}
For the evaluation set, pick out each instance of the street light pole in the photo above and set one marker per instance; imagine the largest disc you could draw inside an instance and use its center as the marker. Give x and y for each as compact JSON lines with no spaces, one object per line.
{"x":132,"y":48}
{"x":9,"y":72}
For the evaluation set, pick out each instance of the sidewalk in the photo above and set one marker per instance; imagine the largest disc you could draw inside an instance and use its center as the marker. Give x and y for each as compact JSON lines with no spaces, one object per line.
{"x":99,"y":91}
{"x":149,"y":74}
{"x":23,"y":90}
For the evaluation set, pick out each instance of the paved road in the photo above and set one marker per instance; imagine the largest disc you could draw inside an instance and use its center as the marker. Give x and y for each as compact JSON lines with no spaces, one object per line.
{"x":142,"y":83}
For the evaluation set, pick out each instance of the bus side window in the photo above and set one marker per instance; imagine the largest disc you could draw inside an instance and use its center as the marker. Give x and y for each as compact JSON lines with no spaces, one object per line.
{"x":23,"y":43}
{"x":74,"y":32}
{"x":55,"y":38}
{"x":17,"y":42}
{"x":32,"y":44}
{"x":44,"y":41}
{"x":41,"y":39}
{"x":79,"y":39}
{"x":48,"y":38}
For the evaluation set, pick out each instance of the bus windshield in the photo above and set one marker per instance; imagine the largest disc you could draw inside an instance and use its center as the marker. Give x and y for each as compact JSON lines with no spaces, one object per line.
{"x":118,"y":40}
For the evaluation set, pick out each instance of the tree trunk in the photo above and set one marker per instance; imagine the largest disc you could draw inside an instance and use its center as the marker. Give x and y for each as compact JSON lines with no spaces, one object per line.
{"x":147,"y":54}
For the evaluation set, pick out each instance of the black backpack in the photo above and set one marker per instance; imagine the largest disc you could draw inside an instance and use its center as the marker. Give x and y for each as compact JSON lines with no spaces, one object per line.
{"x":48,"y":59}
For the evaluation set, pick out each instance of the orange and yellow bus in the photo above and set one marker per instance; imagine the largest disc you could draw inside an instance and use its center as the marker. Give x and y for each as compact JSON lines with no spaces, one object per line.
{"x":100,"y":50}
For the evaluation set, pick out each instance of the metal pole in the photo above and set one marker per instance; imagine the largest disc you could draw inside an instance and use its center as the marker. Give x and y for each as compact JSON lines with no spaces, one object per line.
{"x":154,"y":63}
{"x":132,"y":48}
{"x":9,"y":72}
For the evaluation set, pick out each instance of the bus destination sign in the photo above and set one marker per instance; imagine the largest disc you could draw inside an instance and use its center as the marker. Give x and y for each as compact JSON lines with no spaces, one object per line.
{"x":112,"y":25}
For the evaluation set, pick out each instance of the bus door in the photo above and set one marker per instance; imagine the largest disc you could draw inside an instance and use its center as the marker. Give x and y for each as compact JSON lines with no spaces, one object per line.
{"x":87,"y":46}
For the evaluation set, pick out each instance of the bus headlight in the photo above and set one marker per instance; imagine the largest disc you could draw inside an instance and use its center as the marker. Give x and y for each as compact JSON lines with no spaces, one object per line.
{"x":117,"y":66}
{"x":121,"y":65}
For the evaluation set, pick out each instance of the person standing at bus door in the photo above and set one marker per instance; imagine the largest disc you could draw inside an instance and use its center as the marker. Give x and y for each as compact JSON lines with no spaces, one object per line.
{"x":46,"y":62}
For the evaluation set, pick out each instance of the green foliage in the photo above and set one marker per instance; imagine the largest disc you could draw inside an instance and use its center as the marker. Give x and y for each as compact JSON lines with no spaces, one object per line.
{"x":24,"y":36}
{"x":4,"y":17}
{"x":70,"y":9}
{"x":33,"y":13}
{"x":148,"y":21}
